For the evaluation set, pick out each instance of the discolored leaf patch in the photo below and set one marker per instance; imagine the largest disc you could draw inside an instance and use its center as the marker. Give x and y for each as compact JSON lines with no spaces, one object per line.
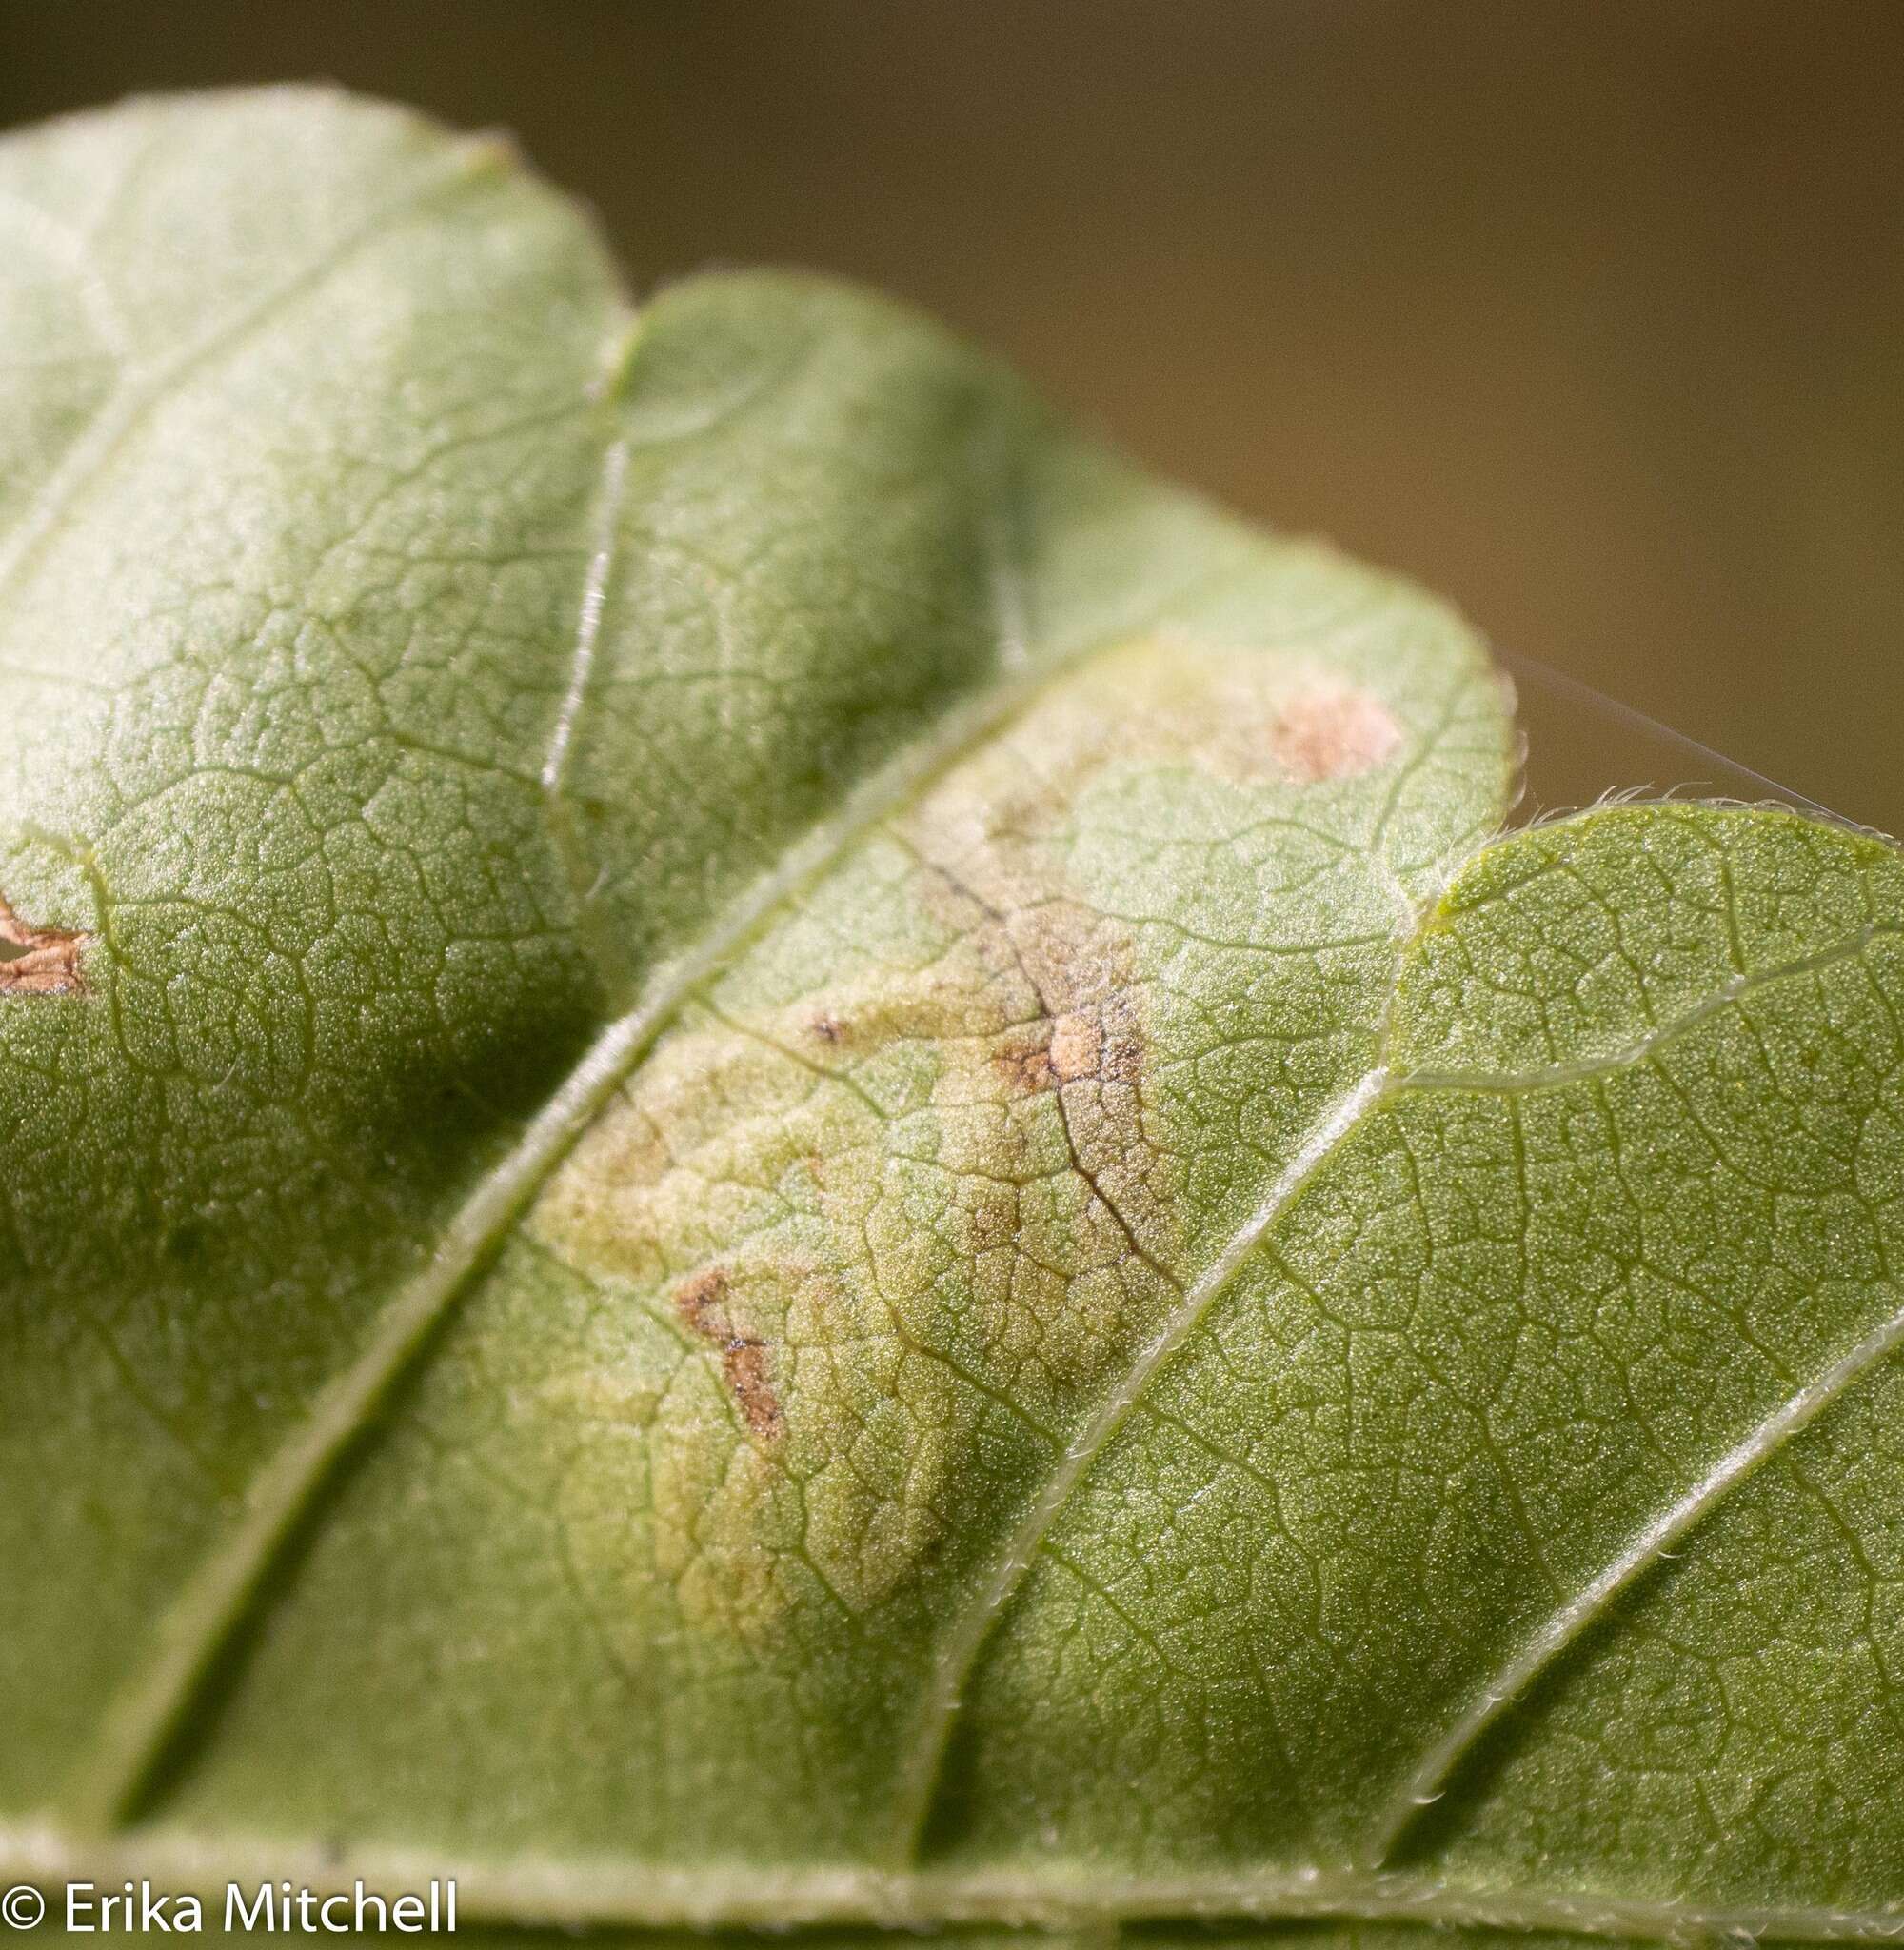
{"x":40,"y":961}
{"x":1088,"y":1044}
{"x":1334,"y":732}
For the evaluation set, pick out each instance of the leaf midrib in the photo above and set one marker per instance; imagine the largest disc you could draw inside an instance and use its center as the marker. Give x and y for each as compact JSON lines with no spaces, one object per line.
{"x":583,"y":1891}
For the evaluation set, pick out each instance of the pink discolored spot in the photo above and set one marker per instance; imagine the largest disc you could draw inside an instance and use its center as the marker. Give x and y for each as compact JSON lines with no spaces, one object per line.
{"x":1334,"y":732}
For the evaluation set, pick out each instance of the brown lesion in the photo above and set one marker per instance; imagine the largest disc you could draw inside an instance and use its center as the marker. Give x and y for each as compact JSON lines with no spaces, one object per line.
{"x":702,"y":1303}
{"x":744,"y":1362}
{"x":1082,"y":1045}
{"x":1097,"y":1044}
{"x":1076,"y":969}
{"x":39,"y":961}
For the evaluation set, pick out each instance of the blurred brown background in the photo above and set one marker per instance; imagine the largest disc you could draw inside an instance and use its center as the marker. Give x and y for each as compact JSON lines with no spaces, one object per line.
{"x":1587,"y":314}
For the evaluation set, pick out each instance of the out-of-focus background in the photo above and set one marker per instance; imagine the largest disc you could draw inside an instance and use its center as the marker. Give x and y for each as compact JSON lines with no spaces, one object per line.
{"x":1588,"y":312}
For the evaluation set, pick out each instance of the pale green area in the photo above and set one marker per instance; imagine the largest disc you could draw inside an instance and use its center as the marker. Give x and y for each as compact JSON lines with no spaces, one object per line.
{"x":814,"y":1172}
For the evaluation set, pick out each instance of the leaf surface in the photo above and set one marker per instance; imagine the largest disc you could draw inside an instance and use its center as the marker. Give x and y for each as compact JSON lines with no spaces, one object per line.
{"x":777,"y":1155}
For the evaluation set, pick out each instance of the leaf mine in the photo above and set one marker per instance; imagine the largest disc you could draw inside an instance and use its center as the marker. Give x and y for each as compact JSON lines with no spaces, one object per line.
{"x":831,"y":1172}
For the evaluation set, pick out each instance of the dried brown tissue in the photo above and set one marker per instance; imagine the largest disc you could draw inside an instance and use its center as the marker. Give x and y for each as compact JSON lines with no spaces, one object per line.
{"x":40,"y":961}
{"x":702,"y":1303}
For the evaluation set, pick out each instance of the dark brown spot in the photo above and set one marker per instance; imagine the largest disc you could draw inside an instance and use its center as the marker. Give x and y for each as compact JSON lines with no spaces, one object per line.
{"x":702,"y":1303}
{"x":826,"y":1026}
{"x":745,"y":1364}
{"x":1334,"y":732}
{"x":39,"y":961}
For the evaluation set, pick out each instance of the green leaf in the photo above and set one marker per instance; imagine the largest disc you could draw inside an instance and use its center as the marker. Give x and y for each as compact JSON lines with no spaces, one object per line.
{"x":775,"y":1154}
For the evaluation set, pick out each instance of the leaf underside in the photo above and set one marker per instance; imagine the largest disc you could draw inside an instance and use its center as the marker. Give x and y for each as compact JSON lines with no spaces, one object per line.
{"x":776,"y":1155}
